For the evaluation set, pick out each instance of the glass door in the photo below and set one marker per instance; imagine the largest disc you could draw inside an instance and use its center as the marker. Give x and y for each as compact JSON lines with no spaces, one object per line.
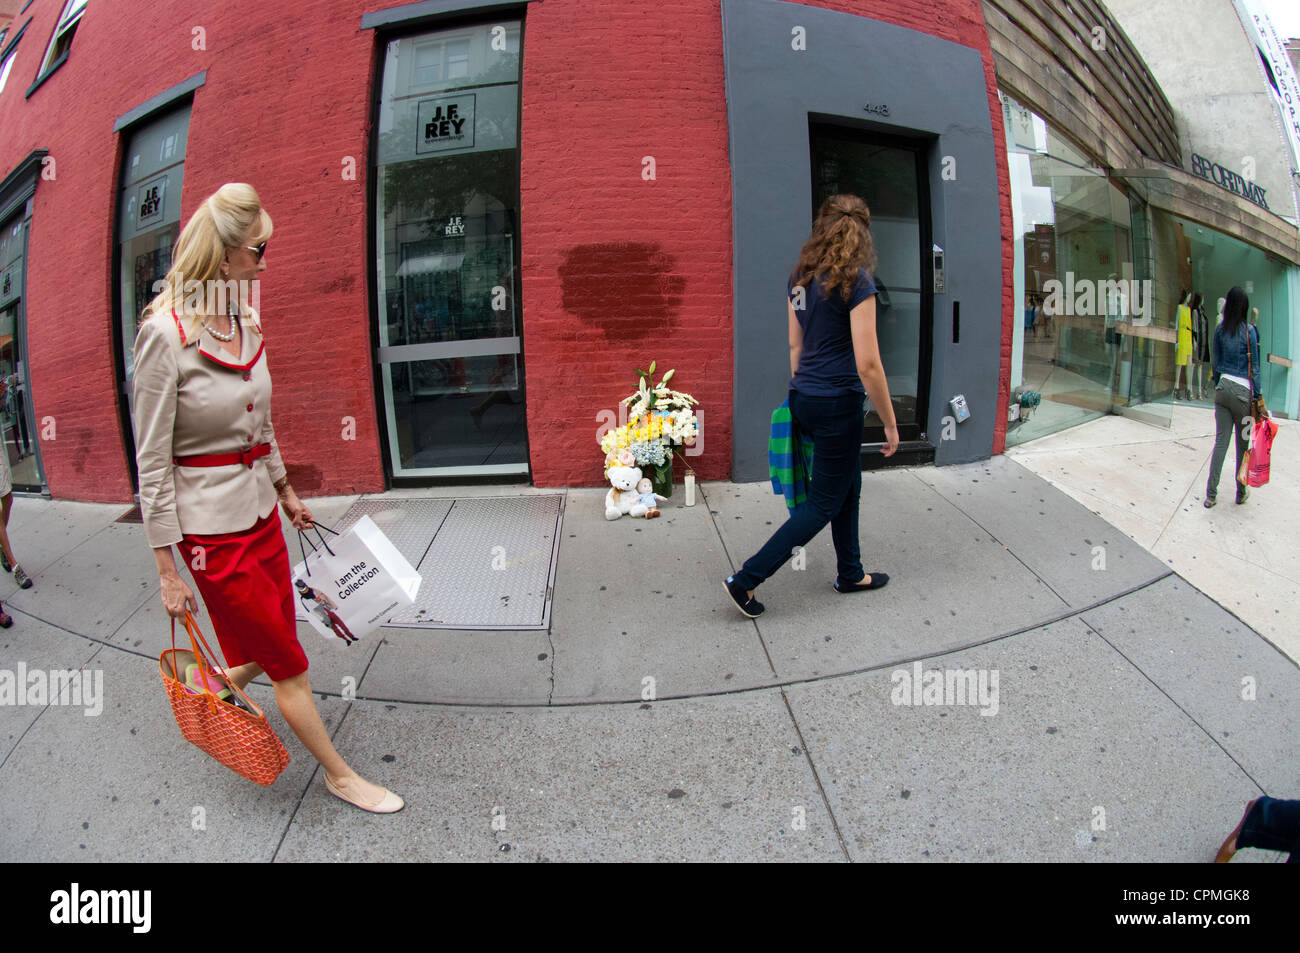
{"x":17,"y":419}
{"x":446,"y":240}
{"x":889,"y":175}
{"x":149,"y":223}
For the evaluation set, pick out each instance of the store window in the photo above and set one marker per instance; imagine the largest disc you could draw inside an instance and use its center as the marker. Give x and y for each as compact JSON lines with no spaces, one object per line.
{"x":4,"y":70}
{"x":1210,"y":263}
{"x":149,"y":223}
{"x":17,"y":419}
{"x":61,"y":41}
{"x":8,"y":52}
{"x":447,"y":252}
{"x":1076,"y":285}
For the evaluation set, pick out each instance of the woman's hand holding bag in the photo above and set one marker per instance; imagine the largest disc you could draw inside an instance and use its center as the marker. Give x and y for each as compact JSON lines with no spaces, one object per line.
{"x":294,"y":508}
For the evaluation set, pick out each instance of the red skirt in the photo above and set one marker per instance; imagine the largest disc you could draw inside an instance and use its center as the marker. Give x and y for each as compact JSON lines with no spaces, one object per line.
{"x":244,"y":579}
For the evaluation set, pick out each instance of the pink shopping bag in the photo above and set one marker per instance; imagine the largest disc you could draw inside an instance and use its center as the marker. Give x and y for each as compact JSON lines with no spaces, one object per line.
{"x":1257,"y":460}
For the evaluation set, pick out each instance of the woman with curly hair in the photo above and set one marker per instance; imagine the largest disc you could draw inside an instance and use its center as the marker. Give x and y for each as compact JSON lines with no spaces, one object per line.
{"x":834,"y":361}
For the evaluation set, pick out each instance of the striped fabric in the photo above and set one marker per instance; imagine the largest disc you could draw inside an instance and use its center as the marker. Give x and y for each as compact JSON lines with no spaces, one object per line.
{"x":791,"y":472}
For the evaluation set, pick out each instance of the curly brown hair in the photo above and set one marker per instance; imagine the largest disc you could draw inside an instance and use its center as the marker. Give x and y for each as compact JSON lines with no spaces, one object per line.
{"x":840,"y":244}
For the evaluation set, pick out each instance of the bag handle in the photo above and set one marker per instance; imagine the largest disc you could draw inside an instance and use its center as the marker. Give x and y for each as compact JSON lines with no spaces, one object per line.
{"x":206,"y":667}
{"x":302,"y":534}
{"x":1250,"y":372}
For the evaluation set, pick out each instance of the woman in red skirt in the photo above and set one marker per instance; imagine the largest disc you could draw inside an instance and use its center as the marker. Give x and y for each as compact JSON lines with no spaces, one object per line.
{"x":210,"y":469}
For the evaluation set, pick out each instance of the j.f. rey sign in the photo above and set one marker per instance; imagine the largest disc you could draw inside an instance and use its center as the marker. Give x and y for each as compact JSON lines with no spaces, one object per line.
{"x":445,"y":123}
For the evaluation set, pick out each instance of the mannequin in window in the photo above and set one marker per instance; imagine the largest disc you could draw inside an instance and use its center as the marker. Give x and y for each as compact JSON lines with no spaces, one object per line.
{"x":1183,"y":352}
{"x":1201,"y":340}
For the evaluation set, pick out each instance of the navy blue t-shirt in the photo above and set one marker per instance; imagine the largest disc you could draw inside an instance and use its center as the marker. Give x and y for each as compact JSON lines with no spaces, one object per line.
{"x":826,"y":365}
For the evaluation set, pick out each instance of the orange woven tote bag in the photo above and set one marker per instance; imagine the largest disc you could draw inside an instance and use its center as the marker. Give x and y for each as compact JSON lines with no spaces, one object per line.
{"x":241,"y":740}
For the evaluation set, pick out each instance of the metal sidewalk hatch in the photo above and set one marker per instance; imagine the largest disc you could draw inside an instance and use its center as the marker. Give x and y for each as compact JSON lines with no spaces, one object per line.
{"x":485,"y":562}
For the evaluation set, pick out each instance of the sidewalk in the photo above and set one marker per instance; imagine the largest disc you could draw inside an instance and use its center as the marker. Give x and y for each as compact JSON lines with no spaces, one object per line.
{"x":1117,"y":729}
{"x":1246,"y":558}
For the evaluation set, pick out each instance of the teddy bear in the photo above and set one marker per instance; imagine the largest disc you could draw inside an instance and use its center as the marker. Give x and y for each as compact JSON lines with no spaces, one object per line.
{"x":649,"y":499}
{"x":622,"y":496}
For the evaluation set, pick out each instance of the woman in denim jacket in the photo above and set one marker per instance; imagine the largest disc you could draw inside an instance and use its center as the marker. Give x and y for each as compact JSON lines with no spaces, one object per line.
{"x":1236,"y":381}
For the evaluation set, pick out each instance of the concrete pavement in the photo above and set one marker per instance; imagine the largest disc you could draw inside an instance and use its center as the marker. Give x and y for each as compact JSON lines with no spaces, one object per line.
{"x":1150,"y":484}
{"x":1122,"y":713}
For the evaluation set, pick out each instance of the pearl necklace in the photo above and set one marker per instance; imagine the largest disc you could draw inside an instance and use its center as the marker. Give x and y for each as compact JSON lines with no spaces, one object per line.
{"x":224,"y":337}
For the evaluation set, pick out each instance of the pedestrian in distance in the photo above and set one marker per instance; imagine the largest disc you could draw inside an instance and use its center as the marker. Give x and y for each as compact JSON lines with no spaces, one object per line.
{"x":1046,"y":313}
{"x":834,"y":362}
{"x":211,"y":472}
{"x":1235,"y":353}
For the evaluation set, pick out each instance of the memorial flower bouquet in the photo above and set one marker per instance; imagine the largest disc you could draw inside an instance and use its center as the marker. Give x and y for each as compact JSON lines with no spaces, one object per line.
{"x":659,"y":420}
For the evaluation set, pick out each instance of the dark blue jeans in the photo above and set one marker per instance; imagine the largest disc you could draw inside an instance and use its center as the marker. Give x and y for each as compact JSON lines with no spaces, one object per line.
{"x":1272,"y":824}
{"x":835,"y":425}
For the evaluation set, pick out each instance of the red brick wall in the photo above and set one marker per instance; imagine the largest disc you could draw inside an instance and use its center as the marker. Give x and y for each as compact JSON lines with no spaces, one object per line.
{"x":281,"y":108}
{"x":617,"y":270}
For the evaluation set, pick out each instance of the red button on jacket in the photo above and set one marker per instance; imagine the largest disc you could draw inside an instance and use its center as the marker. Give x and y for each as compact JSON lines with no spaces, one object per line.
{"x":250,"y":408}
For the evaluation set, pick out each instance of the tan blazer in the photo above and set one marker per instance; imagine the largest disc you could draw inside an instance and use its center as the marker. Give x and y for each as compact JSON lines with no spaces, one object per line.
{"x":192,"y":397}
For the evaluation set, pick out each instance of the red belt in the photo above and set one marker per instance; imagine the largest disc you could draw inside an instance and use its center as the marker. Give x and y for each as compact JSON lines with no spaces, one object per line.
{"x":224,"y":459}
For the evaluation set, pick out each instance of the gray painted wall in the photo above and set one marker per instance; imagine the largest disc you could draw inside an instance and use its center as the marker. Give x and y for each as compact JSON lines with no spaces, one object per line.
{"x":934,"y":89}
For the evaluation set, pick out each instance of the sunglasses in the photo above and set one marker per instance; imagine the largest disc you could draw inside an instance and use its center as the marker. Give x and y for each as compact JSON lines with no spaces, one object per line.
{"x":260,"y":248}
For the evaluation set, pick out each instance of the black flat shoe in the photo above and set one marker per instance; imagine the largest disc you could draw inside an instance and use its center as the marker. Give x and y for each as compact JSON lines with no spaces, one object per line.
{"x":1243,"y":494}
{"x":744,"y":602}
{"x":878,"y":579}
{"x":1210,"y":501}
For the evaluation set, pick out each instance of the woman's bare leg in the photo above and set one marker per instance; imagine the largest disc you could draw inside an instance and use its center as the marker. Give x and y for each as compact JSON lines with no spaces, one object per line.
{"x":298,"y":706}
{"x":241,"y":675}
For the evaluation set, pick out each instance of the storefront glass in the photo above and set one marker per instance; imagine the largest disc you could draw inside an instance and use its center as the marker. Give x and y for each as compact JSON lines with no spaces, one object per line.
{"x":1212,"y":263}
{"x":149,"y":222}
{"x":447,"y":200}
{"x":1080,"y":348}
{"x":17,"y":421}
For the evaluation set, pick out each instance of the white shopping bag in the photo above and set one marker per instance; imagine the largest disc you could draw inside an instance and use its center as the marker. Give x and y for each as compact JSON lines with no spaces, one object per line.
{"x":353,"y":583}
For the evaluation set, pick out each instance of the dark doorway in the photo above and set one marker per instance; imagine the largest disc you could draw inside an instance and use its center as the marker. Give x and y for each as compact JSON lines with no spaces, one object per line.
{"x":889,"y":174}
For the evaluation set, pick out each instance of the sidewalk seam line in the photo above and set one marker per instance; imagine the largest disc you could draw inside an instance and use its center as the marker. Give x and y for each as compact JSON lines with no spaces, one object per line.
{"x":809,"y":680}
{"x":727,"y":553}
{"x":1190,"y":717}
{"x":835,"y":824}
{"x":44,"y":708}
{"x":1050,"y":588}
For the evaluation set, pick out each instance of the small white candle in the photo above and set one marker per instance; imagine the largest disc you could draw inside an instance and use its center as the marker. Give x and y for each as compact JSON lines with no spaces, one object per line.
{"x":690,"y":487}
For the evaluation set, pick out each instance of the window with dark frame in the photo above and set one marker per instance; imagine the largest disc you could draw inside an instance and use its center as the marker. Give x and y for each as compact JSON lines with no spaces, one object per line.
{"x":61,"y":42}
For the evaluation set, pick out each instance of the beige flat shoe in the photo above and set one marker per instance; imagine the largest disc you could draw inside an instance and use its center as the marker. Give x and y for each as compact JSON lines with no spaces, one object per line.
{"x":390,"y":803}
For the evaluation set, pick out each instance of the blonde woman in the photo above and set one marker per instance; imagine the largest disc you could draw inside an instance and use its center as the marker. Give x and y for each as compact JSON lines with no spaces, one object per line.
{"x":210,"y":468}
{"x":834,"y":365}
